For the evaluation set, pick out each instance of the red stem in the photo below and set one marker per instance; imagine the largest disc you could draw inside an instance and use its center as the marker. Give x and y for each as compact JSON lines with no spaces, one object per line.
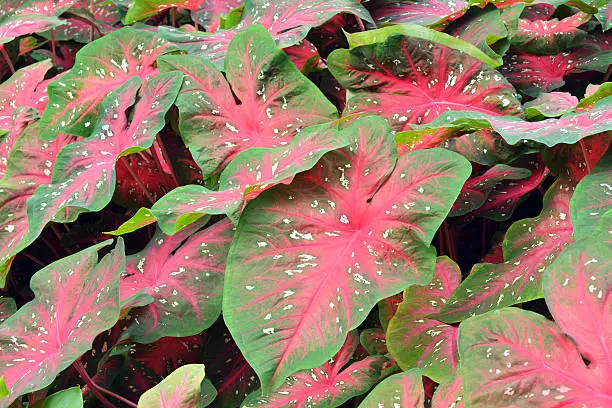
{"x":173,"y":16}
{"x":78,"y":366}
{"x":33,"y":259}
{"x":195,"y":19}
{"x":137,"y":180}
{"x":584,"y":153}
{"x":53,"y":56}
{"x":7,"y":58}
{"x":166,"y":158}
{"x":360,"y":24}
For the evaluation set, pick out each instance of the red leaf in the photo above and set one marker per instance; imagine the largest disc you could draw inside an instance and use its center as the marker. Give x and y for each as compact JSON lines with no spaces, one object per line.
{"x":421,"y":12}
{"x":76,"y":298}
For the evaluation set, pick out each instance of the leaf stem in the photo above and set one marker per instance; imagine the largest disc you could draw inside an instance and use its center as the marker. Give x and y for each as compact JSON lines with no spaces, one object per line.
{"x":173,"y":16}
{"x":360,"y":24}
{"x":33,"y":259}
{"x":584,"y":153}
{"x":78,"y":366}
{"x":140,"y":184}
{"x":165,"y":157}
{"x":195,"y":19}
{"x":53,"y":55}
{"x":7,"y":58}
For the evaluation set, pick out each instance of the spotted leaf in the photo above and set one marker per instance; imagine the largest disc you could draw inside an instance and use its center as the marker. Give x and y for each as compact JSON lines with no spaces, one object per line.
{"x":568,"y":129}
{"x":421,"y":12}
{"x":100,"y":68}
{"x":271,"y":110}
{"x":251,"y":172}
{"x":12,"y":26}
{"x":415,"y":340}
{"x":411,"y":81}
{"x":550,"y":105}
{"x":550,"y":36}
{"x":7,"y":308}
{"x":400,"y":390}
{"x":483,"y":147}
{"x":84,"y":174}
{"x":141,"y":9}
{"x":183,"y":274}
{"x":181,"y":389}
{"x":287,"y":21}
{"x":29,"y":165}
{"x":210,"y":14}
{"x":449,"y":394}
{"x":476,"y":190}
{"x":530,"y":246}
{"x":310,"y":260}
{"x":327,"y":386}
{"x":592,"y":198}
{"x":75,"y":299}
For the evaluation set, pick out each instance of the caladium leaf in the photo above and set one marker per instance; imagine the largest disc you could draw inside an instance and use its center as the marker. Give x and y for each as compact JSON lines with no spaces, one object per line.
{"x":449,"y":394}
{"x":251,"y":172}
{"x":304,"y":55}
{"x":100,"y":68}
{"x":534,"y":74}
{"x":550,"y":36}
{"x":568,"y":129}
{"x":288,"y":23}
{"x":12,"y":26}
{"x":75,"y":299}
{"x":574,"y":162}
{"x":211,"y":12}
{"x":181,"y":389}
{"x":17,"y":92}
{"x":68,"y":398}
{"x":592,"y":198}
{"x":421,"y":12}
{"x":504,"y":197}
{"x":141,"y":9}
{"x":400,"y":390}
{"x":519,"y":358}
{"x":530,"y":246}
{"x":415,"y":340}
{"x":387,"y":309}
{"x":7,"y":308}
{"x":407,"y":80}
{"x":85,"y":19}
{"x":550,"y":105}
{"x":476,"y":190}
{"x":270,"y":113}
{"x":483,"y":147}
{"x":29,"y":165}
{"x":84,"y":176}
{"x":327,"y":386}
{"x":341,"y":237}
{"x":183,"y":274}
{"x":374,"y":341}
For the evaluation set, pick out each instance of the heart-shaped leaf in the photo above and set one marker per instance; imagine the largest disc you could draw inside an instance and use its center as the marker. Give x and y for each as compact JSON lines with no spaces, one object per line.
{"x":100,"y":68}
{"x":183,"y":274}
{"x":270,"y":113}
{"x":341,"y":237}
{"x":415,"y":340}
{"x":530,"y":246}
{"x":75,"y":299}
{"x":411,"y":81}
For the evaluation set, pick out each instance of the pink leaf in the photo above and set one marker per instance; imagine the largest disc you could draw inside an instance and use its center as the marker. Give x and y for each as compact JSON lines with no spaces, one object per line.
{"x":411,"y":81}
{"x":183,"y":273}
{"x":549,"y":36}
{"x":311,"y":259}
{"x":76,"y":298}
{"x":414,"y":339}
{"x":449,"y":394}
{"x":421,"y":12}
{"x":331,"y":384}
{"x":181,"y":389}
{"x":404,"y":390}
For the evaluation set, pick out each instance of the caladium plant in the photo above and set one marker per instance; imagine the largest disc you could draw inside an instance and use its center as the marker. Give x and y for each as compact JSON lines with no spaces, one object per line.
{"x":316,"y":203}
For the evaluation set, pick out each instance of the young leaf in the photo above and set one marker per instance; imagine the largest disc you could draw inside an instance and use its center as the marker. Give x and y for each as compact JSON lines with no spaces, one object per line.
{"x":181,"y":389}
{"x":341,"y":237}
{"x":270,"y":113}
{"x":84,"y":175}
{"x":421,"y":12}
{"x":530,"y":246}
{"x":327,"y":386}
{"x":100,"y":68}
{"x":415,"y":340}
{"x":407,"y":80}
{"x":592,"y":198}
{"x":251,"y":172}
{"x":75,"y":299}
{"x":287,"y":21}
{"x":400,"y":390}
{"x":183,"y":274}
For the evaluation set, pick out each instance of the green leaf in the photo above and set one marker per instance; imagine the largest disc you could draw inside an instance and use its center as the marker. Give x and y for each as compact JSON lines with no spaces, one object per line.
{"x":68,"y":398}
{"x":142,"y":218}
{"x":181,"y":389}
{"x":403,"y":390}
{"x":3,"y":390}
{"x":412,"y":30}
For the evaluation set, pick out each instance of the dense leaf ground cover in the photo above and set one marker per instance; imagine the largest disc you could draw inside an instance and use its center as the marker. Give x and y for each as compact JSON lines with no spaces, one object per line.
{"x":305,"y":204}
